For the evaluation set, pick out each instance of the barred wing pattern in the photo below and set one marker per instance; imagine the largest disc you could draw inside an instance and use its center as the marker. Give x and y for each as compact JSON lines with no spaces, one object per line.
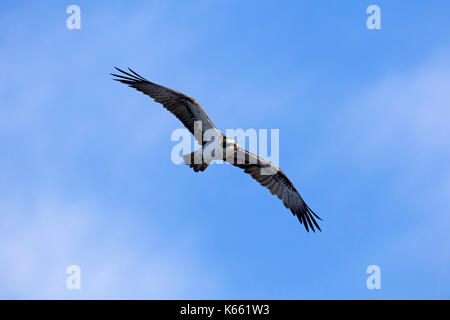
{"x":185,"y":108}
{"x":278,"y":184}
{"x":189,"y":112}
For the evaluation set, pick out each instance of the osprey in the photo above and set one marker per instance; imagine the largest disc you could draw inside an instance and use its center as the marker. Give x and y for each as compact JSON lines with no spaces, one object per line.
{"x":190,"y":113}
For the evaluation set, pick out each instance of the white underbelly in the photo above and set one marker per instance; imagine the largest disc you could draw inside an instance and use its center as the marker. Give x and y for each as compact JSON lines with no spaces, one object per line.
{"x":212,"y":151}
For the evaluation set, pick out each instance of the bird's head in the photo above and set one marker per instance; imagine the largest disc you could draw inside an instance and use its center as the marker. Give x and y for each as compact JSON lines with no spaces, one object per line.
{"x":231,"y":144}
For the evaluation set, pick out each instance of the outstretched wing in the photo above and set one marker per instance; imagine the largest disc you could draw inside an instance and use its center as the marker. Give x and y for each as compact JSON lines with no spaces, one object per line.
{"x":185,"y":108}
{"x":276,"y":181}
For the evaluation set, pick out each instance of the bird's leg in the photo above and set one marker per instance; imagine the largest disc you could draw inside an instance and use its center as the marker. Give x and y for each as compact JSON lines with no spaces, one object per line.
{"x":196,"y":161}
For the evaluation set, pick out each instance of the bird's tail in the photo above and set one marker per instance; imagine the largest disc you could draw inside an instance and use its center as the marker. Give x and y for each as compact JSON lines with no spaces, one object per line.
{"x":195,"y":160}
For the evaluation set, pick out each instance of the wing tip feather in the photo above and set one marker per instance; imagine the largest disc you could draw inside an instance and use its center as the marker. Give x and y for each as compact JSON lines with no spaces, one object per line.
{"x":133,"y":76}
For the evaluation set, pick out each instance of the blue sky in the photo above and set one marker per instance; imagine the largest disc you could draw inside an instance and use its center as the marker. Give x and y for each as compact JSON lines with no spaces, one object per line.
{"x":86,"y":176}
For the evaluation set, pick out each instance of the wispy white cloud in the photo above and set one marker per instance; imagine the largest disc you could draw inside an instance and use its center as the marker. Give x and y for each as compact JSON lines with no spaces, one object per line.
{"x":402,"y":109}
{"x":55,"y":125}
{"x":401,"y":123}
{"x":39,"y":241}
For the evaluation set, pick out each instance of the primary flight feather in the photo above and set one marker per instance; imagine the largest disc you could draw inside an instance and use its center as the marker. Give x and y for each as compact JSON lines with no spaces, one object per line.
{"x":189,"y":112}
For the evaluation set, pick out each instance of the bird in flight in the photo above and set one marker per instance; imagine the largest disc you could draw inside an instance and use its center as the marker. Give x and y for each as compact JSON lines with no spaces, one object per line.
{"x":191,"y":114}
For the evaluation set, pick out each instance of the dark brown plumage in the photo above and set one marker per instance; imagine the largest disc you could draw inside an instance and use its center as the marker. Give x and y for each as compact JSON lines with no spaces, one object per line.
{"x":185,"y":108}
{"x":188,"y":111}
